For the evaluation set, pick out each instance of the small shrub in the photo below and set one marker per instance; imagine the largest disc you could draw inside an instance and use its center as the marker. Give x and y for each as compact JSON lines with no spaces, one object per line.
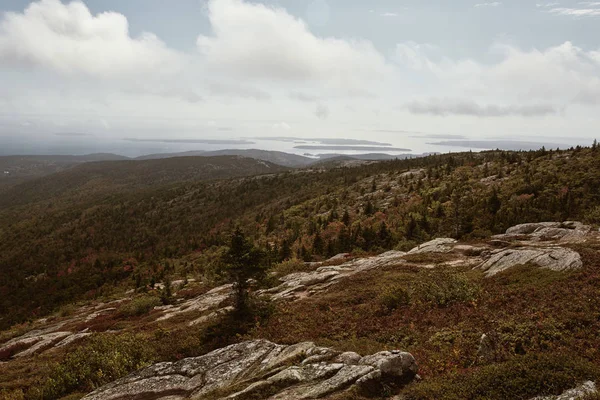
{"x":12,"y":394}
{"x":443,"y":288}
{"x":67,"y":310}
{"x":522,"y":377}
{"x":104,"y":358}
{"x":290,"y":266}
{"x":406,"y":245}
{"x":139,"y":306}
{"x":394,"y":297}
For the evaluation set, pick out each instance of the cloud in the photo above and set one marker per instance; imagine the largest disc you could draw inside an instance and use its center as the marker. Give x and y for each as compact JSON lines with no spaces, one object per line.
{"x":589,"y":95}
{"x":237,"y":90}
{"x":167,"y":91}
{"x":322,"y":111}
{"x":389,"y":14}
{"x":554,"y":75}
{"x":444,"y":107}
{"x":257,"y":41}
{"x":492,"y":4}
{"x":552,"y":4}
{"x":67,"y":38}
{"x":304,"y":97}
{"x":576,"y":12}
{"x":282,"y":126}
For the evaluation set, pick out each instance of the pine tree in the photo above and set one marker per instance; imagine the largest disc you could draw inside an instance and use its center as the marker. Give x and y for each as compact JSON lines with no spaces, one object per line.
{"x":494,"y":203}
{"x":242,"y":262}
{"x":318,"y":244}
{"x":346,"y":218}
{"x":285,"y":252}
{"x":369,"y":209}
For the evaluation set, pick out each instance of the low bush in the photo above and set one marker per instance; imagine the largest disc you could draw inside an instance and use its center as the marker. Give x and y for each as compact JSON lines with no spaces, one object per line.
{"x":522,"y":377}
{"x":139,"y":306}
{"x":438,"y":287}
{"x":443,"y":288}
{"x":102,"y":359}
{"x":394,"y":297}
{"x":290,"y":266}
{"x":12,"y":394}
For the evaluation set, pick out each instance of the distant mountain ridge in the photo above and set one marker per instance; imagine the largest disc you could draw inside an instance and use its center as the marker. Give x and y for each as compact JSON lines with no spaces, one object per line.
{"x":127,"y":175}
{"x":18,"y":169}
{"x":276,"y":157}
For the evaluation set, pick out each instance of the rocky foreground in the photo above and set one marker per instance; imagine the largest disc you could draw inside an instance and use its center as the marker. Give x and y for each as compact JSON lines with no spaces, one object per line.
{"x":261,"y":369}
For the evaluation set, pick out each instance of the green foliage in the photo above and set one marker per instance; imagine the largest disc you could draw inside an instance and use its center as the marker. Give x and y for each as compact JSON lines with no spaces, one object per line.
{"x":16,"y":394}
{"x":95,"y":226}
{"x":438,"y":287}
{"x":442,"y":288}
{"x":104,"y":358}
{"x":394,"y":297}
{"x":139,"y":306}
{"x":242,"y":262}
{"x":522,"y":377}
{"x":290,"y":266}
{"x":593,"y":216}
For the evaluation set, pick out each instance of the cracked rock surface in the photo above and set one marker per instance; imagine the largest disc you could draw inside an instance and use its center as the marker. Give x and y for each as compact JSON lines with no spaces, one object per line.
{"x":261,"y":369}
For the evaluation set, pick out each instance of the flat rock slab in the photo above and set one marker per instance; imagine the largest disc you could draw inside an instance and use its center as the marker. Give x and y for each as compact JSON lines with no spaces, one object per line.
{"x":302,"y":284}
{"x":440,"y":245}
{"x":255,"y":367}
{"x":563,"y":232}
{"x":553,"y":258}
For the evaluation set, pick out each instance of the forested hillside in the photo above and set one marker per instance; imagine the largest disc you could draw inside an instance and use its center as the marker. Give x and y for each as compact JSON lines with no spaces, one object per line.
{"x":69,"y":235}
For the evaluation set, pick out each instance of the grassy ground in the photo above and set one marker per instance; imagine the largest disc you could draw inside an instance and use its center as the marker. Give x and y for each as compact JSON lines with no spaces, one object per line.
{"x":536,"y":317}
{"x":545,"y":328}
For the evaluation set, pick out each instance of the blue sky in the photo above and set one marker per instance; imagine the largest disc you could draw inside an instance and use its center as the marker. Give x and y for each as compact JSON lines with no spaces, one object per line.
{"x":151,"y":68}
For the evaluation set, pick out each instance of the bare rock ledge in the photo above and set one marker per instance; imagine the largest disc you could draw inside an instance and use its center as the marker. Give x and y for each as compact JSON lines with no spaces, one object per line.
{"x":262,"y":368}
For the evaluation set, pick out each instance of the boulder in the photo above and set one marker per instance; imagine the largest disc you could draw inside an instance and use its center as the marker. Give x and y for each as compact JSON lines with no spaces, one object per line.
{"x":486,"y":352}
{"x":580,"y":392}
{"x":260,"y":369}
{"x":553,"y":258}
{"x":440,"y":245}
{"x":565,"y":232}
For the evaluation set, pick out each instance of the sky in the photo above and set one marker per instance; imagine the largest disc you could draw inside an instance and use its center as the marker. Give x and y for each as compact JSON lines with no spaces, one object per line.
{"x":381,"y":70}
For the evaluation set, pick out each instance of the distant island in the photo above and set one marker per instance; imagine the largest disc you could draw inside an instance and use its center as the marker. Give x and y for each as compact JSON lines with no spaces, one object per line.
{"x":330,"y":141}
{"x":350,"y":148}
{"x":499,"y":144}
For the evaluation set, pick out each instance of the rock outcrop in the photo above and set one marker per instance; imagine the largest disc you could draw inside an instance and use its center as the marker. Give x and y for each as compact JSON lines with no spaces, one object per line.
{"x":564,"y":232}
{"x":580,"y":392}
{"x":261,"y":369}
{"x":553,"y":258}
{"x":540,"y":244}
{"x":440,"y":245}
{"x":303,"y":284}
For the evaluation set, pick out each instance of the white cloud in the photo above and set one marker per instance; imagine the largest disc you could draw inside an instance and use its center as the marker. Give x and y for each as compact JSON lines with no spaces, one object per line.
{"x":281,"y":126}
{"x":389,"y":14}
{"x":67,"y":38}
{"x":552,"y":4}
{"x":576,"y":12}
{"x":304,"y":97}
{"x":237,"y":90}
{"x":451,"y":106}
{"x":491,"y":4}
{"x":256,"y":41}
{"x":555,"y":75}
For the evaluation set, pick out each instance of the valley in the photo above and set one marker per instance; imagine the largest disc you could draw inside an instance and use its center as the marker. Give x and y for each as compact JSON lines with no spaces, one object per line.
{"x":470,"y":265}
